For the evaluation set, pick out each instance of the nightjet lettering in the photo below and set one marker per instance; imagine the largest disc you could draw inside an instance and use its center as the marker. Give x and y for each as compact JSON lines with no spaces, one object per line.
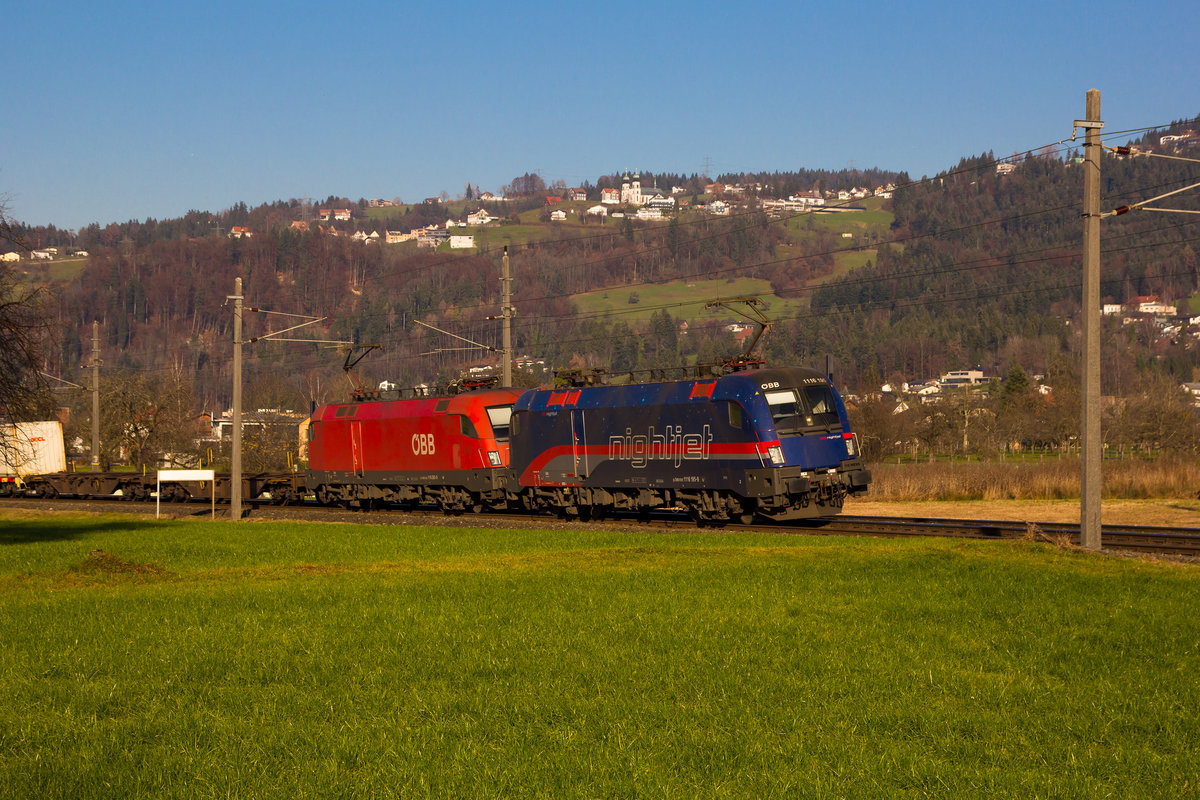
{"x":672,"y":445}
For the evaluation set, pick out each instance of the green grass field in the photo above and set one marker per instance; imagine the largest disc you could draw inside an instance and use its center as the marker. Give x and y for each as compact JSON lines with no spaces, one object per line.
{"x":198,"y":659}
{"x":848,"y":260}
{"x":685,"y":300}
{"x":62,"y":270}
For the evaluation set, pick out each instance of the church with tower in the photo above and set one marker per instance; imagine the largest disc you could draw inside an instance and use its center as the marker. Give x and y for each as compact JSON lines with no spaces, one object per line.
{"x":631,"y":190}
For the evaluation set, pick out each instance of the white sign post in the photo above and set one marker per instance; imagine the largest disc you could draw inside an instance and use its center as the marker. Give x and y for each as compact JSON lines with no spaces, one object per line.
{"x":186,"y":475}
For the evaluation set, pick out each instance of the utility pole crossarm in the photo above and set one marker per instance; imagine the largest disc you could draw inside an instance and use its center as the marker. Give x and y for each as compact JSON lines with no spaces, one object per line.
{"x":60,"y":380}
{"x":1116,"y":212}
{"x":286,"y":330}
{"x":455,"y":335}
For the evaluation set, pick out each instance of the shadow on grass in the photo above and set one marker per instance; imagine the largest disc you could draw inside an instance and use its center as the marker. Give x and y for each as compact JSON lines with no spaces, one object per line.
{"x":30,"y":531}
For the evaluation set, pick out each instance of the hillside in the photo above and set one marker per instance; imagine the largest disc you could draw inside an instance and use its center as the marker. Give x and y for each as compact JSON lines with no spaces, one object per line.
{"x":972,"y":267}
{"x":159,"y":288}
{"x":991,"y":274}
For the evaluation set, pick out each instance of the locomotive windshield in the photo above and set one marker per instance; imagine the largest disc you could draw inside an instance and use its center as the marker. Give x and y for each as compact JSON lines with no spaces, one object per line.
{"x":500,"y":417}
{"x":821,"y":407}
{"x":785,"y":408}
{"x":796,"y":410}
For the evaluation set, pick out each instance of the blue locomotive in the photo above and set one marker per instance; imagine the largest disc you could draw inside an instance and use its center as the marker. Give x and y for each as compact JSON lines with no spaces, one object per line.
{"x":774,"y":442}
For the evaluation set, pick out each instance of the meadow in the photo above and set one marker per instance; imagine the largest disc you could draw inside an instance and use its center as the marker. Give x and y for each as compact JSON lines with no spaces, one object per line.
{"x":686,"y":300}
{"x":60,"y":270}
{"x":197,"y":659}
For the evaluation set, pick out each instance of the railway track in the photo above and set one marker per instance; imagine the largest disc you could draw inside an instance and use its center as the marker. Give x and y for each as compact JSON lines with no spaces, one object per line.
{"x":1142,"y":538}
{"x":1138,"y":538}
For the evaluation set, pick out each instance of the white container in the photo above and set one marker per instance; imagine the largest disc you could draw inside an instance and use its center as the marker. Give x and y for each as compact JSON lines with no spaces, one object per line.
{"x":32,"y":448}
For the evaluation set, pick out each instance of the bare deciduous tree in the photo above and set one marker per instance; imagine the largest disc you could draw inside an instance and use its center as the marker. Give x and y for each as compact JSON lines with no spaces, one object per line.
{"x":147,"y":419}
{"x":23,"y":391}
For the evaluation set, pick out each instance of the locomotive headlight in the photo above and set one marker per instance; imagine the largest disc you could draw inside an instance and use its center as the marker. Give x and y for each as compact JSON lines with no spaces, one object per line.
{"x":851,"y":447}
{"x":494,"y":458}
{"x":776,"y":454}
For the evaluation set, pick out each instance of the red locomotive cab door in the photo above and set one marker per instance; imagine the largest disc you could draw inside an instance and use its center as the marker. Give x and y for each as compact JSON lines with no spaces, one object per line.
{"x":356,"y":448}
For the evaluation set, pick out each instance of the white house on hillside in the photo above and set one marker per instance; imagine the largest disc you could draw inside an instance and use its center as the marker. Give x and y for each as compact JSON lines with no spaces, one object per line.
{"x":659,"y":201}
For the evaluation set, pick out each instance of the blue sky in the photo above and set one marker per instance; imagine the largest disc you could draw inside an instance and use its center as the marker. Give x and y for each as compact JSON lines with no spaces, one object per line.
{"x":129,"y":110}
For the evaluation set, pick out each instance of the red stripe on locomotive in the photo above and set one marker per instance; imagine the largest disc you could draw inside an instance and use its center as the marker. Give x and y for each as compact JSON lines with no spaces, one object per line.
{"x":716,"y":450}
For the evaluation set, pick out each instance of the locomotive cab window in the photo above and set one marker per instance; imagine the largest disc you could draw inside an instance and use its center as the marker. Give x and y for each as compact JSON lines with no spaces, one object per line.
{"x":735,"y":415}
{"x":466,"y":427}
{"x":500,"y":417}
{"x":822,"y":410}
{"x":785,"y":410}
{"x":794,"y":412}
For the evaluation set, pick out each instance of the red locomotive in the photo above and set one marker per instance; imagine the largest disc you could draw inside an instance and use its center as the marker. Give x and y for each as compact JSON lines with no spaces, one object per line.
{"x":448,"y":451}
